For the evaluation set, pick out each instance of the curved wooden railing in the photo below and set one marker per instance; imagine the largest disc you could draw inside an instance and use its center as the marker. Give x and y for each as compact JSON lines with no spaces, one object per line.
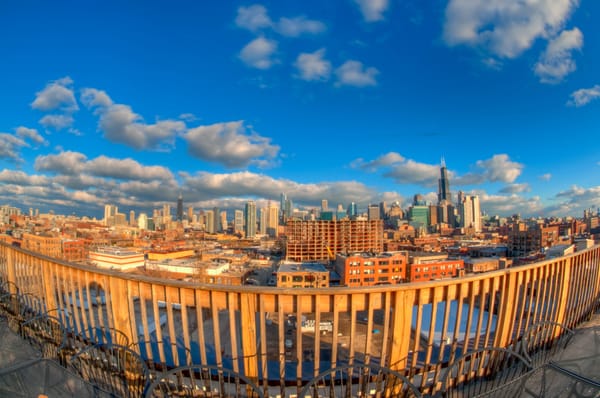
{"x":414,"y":329}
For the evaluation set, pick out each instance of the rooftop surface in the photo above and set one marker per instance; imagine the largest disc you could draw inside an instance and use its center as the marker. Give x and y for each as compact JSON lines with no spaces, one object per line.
{"x":24,"y":373}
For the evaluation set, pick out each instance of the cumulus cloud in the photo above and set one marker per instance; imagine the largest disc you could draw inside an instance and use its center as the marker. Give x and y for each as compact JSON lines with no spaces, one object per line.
{"x":505,"y":28}
{"x":253,"y":18}
{"x":57,"y":122}
{"x":56,"y":95}
{"x":297,"y":26}
{"x":208,"y":186}
{"x":516,"y":188}
{"x":557,"y":62}
{"x":75,"y":163}
{"x":30,"y":134}
{"x":584,"y":96}
{"x":259,"y":53}
{"x":120,"y":124}
{"x":506,"y":205}
{"x":372,"y":10}
{"x":229,"y":144}
{"x":354,"y":73}
{"x":313,"y":66}
{"x":21,"y":178}
{"x":10,"y":147}
{"x":499,"y":168}
{"x":256,"y":18}
{"x":575,"y":200}
{"x":388,"y":159}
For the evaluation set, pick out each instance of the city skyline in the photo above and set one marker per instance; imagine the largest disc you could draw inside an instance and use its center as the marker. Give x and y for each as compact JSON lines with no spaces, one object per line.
{"x":358,"y":101}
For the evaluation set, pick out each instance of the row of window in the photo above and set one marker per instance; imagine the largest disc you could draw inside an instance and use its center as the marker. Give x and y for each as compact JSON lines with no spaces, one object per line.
{"x":370,"y":263}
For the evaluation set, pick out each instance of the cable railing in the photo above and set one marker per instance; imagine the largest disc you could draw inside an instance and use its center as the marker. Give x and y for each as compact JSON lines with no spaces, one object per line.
{"x":272,"y":336}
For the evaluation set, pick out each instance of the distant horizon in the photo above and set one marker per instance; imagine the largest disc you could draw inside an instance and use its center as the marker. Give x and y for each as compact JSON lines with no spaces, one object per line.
{"x":349,"y":100}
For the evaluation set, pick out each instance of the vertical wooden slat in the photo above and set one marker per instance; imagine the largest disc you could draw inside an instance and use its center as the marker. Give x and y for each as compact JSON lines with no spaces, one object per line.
{"x":119,"y":306}
{"x":563,"y":293}
{"x":200,"y":327}
{"x":401,"y":326}
{"x":249,"y":333}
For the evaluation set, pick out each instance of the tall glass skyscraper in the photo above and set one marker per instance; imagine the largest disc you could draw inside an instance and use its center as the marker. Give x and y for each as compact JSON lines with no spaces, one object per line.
{"x":180,"y":207}
{"x":444,"y":184}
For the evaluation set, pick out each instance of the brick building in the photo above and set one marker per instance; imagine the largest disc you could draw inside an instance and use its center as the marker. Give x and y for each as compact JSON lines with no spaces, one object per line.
{"x":427,"y":267}
{"x":302,"y":275}
{"x":367,"y":269}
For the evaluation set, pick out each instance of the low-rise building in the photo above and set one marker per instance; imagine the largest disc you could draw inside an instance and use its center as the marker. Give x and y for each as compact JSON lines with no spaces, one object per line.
{"x":427,"y":266}
{"x":481,"y":264}
{"x":368,"y":269}
{"x":302,"y":274}
{"x":117,"y":258}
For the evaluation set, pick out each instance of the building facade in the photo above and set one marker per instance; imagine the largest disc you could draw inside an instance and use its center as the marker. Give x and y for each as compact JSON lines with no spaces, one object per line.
{"x":365,"y":269}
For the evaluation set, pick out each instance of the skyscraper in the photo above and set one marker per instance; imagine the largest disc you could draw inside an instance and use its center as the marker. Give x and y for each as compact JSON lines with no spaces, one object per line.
{"x":250,"y":219}
{"x":217,"y":217}
{"x":180,"y":207}
{"x":444,"y":185}
{"x":469,"y":211}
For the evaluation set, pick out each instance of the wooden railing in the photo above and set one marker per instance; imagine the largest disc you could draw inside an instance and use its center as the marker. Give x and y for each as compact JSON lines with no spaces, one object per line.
{"x":414,"y":329}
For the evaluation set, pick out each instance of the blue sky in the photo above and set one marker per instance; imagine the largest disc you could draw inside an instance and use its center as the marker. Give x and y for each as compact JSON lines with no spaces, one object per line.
{"x":130,"y":103}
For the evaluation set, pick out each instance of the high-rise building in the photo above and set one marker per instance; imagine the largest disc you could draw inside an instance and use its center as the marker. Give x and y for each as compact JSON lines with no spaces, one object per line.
{"x":142,"y":221}
{"x":166,"y":214}
{"x":352,"y":210}
{"x":110,"y":211}
{"x":324,"y":205}
{"x":238,"y":221}
{"x":262,"y":223}
{"x":180,"y":208}
{"x":444,"y":184}
{"x":469,"y":211}
{"x":383,"y":210}
{"x":373,"y":212}
{"x":272,"y":221}
{"x":250,"y":219}
{"x":190,"y":213}
{"x":223,"y":220}
{"x":132,"y":218}
{"x":210,"y":221}
{"x":217,"y":218}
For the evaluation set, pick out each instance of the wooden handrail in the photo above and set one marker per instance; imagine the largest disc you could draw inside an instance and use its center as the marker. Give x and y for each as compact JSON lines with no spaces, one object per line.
{"x":414,"y":329}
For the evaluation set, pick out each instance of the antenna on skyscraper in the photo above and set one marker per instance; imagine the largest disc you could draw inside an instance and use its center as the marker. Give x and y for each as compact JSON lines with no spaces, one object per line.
{"x":443,"y":162}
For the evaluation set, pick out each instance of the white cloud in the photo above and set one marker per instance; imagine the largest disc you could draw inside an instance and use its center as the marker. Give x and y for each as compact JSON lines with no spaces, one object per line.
{"x":10,"y":146}
{"x":516,"y":188}
{"x":556,"y":62}
{"x":546,"y":177}
{"x":584,"y":96}
{"x":253,"y":18}
{"x":500,"y":168}
{"x":229,"y":144}
{"x":372,"y":10}
{"x":506,"y":28}
{"x":294,"y":27}
{"x":76,"y":163}
{"x":353,"y":73}
{"x":575,"y":200}
{"x":56,"y":95}
{"x":388,"y":159}
{"x":92,"y":97}
{"x":30,"y":134}
{"x":313,"y":66}
{"x":236,"y":186}
{"x":57,"y":122}
{"x":22,"y":178}
{"x":120,"y":124}
{"x":258,"y":53}
{"x":506,"y":205}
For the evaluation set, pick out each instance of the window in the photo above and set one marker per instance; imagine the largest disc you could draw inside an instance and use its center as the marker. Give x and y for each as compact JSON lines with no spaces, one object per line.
{"x":369,"y":279}
{"x":369,"y":263}
{"x":297,"y":278}
{"x":382,"y":278}
{"x":354,"y":263}
{"x":283,"y":278}
{"x":384,"y":262}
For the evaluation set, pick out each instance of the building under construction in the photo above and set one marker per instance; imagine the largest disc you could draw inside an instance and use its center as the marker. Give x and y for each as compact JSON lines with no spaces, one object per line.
{"x":322,"y":240}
